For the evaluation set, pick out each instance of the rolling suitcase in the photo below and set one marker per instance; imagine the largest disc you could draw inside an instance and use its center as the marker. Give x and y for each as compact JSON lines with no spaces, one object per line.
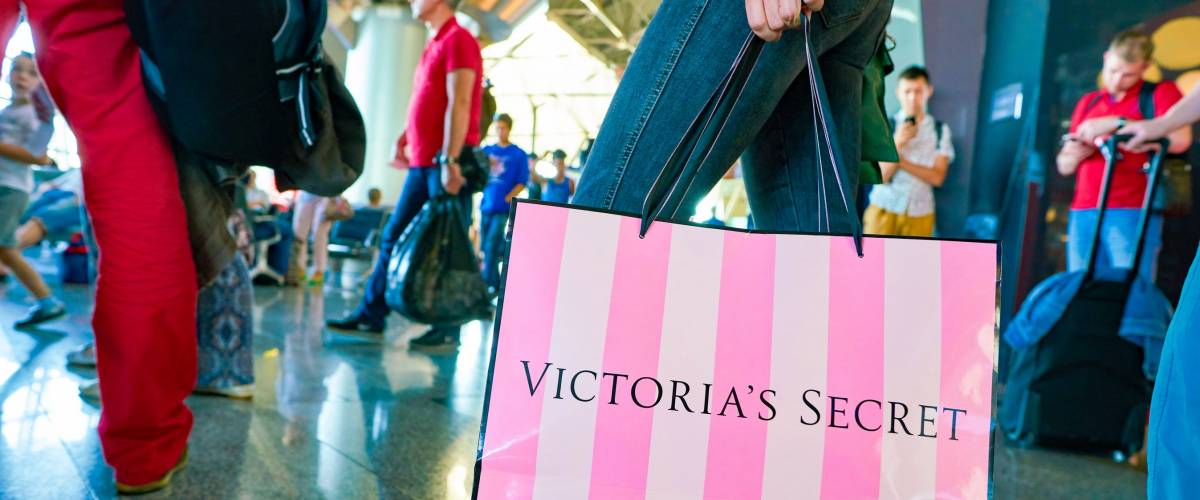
{"x":1082,"y":386}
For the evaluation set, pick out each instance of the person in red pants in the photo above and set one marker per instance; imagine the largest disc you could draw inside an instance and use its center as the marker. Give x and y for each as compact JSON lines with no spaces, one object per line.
{"x":145,"y":317}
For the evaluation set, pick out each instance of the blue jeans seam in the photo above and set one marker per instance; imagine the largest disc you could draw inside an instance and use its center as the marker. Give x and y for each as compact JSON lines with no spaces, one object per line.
{"x":660,"y":85}
{"x":787,"y":159}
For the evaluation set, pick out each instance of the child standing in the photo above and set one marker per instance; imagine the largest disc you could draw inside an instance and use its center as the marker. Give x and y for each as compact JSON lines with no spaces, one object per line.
{"x":24,"y":135}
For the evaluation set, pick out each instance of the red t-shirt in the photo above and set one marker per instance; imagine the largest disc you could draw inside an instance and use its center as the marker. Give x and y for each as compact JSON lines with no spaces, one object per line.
{"x":452,"y":48}
{"x":1129,"y":182}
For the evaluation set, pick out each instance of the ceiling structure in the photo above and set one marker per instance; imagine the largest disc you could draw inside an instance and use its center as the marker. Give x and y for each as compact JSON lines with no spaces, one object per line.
{"x":607,"y":29}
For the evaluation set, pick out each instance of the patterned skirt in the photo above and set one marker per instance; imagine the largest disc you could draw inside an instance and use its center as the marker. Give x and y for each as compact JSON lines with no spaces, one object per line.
{"x":225,"y":329}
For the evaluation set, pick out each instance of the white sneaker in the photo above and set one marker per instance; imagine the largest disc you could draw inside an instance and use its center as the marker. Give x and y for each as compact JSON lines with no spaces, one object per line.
{"x":236,"y":392}
{"x":90,"y":391}
{"x":84,"y":356}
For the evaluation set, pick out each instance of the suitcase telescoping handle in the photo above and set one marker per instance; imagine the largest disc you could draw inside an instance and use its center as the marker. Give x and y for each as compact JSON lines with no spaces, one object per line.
{"x":1111,"y":156}
{"x":696,"y":144}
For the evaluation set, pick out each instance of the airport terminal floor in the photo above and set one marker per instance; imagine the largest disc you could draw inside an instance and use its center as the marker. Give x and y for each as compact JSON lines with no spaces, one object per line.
{"x":332,"y":416}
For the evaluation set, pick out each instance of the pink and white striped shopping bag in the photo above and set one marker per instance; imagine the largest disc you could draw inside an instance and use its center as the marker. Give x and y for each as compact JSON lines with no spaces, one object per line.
{"x":711,"y":363}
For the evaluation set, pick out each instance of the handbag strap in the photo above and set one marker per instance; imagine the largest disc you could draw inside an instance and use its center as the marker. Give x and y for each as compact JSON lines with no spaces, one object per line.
{"x":697,"y":142}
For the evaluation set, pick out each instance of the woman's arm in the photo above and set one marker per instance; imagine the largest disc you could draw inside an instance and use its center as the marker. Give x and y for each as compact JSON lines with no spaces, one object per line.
{"x":1180,"y":116}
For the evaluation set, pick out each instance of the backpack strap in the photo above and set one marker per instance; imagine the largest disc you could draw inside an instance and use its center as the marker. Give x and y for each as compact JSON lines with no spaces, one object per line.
{"x":1146,"y":100}
{"x":1093,"y":102}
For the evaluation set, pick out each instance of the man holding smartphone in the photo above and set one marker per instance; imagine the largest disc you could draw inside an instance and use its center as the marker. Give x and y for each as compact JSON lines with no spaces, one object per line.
{"x":903,"y":205}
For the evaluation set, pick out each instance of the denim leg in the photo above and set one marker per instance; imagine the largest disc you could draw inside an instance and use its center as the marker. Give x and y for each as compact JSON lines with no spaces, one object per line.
{"x":485,"y":234}
{"x":686,"y":50}
{"x":493,"y":247}
{"x":413,"y":196}
{"x":1174,"y":435}
{"x":1118,"y":242}
{"x":1149,"y":267}
{"x":1081,"y":227}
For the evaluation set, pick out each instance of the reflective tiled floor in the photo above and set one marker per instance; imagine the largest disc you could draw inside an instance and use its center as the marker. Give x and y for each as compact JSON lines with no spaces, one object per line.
{"x":332,"y":417}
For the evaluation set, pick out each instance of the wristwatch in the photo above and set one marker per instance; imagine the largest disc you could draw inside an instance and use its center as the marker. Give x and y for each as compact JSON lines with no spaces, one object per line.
{"x":444,"y":159}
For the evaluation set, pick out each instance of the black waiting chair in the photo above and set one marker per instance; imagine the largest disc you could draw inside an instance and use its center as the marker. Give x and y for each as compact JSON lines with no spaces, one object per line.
{"x":358,"y":236}
{"x":266,"y":233}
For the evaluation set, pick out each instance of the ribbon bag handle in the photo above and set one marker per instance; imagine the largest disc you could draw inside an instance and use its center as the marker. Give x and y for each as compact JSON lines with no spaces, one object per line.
{"x":825,"y":129}
{"x":699,"y":137}
{"x":697,"y":142}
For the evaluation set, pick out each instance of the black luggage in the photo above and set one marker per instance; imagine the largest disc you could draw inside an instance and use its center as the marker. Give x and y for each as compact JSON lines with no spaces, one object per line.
{"x":434,"y":275}
{"x":247,"y":83}
{"x":1082,"y":386}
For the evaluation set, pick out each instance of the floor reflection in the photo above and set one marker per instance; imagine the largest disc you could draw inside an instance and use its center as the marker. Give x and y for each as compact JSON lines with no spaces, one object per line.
{"x":332,"y":417}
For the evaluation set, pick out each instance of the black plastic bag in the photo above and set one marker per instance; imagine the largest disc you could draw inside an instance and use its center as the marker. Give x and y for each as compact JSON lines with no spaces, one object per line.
{"x":433,"y":274}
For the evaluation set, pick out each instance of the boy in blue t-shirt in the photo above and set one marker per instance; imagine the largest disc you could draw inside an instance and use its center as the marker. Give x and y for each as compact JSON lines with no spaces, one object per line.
{"x":510,"y":173}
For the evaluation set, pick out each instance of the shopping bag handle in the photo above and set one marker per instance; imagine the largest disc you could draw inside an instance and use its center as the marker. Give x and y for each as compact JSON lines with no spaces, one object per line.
{"x":697,"y":142}
{"x":826,"y":128}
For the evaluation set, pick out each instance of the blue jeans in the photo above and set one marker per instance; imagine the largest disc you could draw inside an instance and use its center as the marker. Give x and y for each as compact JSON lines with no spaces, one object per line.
{"x":688,"y":47}
{"x":492,"y":229}
{"x":1174,"y":436}
{"x":420,"y":186}
{"x":1117,"y":244}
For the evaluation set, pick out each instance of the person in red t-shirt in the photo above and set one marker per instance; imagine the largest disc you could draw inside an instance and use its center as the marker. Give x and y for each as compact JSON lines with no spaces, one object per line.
{"x":1097,"y":115}
{"x":438,"y":141}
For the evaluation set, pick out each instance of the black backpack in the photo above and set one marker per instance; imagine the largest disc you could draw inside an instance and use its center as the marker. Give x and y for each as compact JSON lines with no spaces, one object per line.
{"x":247,"y":83}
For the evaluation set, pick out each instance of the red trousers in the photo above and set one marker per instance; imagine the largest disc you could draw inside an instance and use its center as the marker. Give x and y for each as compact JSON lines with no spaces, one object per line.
{"x":145,"y":316}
